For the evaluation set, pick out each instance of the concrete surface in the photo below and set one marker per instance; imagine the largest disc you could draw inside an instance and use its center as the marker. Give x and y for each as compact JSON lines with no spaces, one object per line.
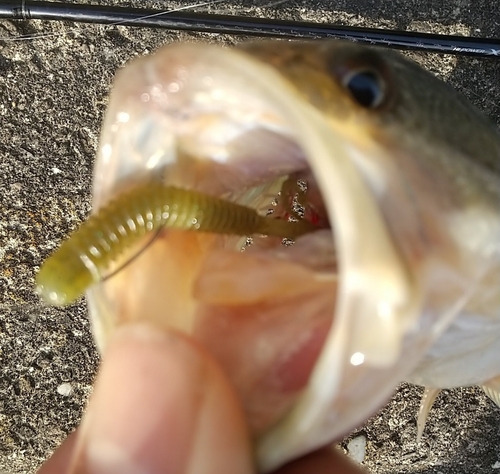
{"x":53,"y":91}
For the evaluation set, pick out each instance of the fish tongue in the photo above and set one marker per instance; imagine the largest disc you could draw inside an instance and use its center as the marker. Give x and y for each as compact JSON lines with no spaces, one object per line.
{"x":234,"y":278}
{"x":265,"y":320}
{"x":261,"y":314}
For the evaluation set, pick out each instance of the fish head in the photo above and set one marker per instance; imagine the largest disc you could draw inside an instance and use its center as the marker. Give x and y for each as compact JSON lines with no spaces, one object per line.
{"x":314,"y":336}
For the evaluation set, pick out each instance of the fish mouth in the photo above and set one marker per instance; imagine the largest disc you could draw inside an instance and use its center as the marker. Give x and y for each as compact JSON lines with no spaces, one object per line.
{"x":292,"y":325}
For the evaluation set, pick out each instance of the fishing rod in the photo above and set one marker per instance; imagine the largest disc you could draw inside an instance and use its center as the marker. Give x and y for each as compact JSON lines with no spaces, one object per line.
{"x":244,"y":25}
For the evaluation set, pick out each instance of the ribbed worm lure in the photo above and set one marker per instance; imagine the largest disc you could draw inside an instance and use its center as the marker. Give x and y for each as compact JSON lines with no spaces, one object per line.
{"x":84,"y":258}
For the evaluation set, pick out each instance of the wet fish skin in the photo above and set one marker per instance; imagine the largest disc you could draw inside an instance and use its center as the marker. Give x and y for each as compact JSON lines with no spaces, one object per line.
{"x":447,"y":155}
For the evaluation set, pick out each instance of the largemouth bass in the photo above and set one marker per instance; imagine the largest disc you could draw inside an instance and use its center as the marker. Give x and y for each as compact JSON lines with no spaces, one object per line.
{"x":400,"y":278}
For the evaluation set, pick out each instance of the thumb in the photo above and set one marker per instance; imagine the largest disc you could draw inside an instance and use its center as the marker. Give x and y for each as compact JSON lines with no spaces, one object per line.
{"x":161,"y":405}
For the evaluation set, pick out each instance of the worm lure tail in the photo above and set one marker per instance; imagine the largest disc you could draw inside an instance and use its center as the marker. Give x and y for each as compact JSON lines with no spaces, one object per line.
{"x":86,"y":256}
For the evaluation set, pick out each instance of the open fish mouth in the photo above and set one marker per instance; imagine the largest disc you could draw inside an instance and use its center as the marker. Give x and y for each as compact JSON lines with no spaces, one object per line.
{"x":312,"y":335}
{"x":291,"y":325}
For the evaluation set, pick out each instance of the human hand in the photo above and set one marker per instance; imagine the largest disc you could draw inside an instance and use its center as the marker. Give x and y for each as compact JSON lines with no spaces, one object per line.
{"x":162,"y":405}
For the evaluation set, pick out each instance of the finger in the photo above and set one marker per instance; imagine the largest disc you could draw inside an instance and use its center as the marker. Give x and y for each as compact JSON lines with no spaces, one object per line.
{"x":324,"y":461}
{"x":161,"y":405}
{"x":58,"y":463}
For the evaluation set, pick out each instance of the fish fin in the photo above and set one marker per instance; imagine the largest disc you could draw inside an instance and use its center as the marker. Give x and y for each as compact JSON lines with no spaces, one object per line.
{"x":492,"y":389}
{"x":426,"y":402}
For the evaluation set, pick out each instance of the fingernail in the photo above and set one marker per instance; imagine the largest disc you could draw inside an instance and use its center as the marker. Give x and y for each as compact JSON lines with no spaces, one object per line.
{"x":145,"y":408}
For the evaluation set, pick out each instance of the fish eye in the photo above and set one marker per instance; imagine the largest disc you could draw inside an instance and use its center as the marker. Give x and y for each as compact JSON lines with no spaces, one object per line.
{"x":366,"y":87}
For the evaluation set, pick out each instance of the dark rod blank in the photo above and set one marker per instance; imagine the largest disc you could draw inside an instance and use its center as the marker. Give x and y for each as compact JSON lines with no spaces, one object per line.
{"x":263,"y":27}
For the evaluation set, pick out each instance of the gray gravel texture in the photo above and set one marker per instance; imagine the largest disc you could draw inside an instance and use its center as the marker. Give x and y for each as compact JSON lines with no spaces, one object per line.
{"x":53,"y":92}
